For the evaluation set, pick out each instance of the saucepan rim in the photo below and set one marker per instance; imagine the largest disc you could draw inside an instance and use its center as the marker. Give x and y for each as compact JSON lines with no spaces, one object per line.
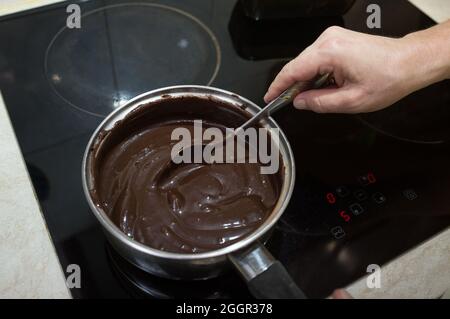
{"x":178,"y":91}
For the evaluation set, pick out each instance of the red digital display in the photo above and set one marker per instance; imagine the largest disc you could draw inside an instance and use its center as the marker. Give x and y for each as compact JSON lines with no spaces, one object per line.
{"x":371,"y":178}
{"x":344,"y":216}
{"x":331,"y":199}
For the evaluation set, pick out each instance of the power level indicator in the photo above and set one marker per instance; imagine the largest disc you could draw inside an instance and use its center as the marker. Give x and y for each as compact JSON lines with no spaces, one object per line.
{"x":367,"y":179}
{"x":331,"y":199}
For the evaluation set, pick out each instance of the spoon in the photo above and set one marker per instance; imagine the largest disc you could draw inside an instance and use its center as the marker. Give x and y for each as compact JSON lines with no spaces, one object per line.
{"x":286,"y":97}
{"x":282,"y":100}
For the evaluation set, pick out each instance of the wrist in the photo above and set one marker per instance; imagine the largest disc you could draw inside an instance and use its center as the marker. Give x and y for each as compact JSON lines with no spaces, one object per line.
{"x":425,"y":56}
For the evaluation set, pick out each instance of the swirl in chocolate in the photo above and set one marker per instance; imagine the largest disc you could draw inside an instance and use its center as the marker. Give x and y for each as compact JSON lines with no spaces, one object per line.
{"x":187,"y":208}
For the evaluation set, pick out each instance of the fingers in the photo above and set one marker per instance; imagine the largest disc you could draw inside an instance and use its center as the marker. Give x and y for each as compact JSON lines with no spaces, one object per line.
{"x":303,"y":68}
{"x":329,"y":100}
{"x":341,"y":294}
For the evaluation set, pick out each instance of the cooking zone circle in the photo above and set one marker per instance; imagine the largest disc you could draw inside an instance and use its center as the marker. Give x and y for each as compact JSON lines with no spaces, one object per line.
{"x":421,"y":117}
{"x":123,"y":50}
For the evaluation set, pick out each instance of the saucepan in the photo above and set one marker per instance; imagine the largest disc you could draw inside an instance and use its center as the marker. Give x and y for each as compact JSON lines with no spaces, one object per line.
{"x":266,"y":277}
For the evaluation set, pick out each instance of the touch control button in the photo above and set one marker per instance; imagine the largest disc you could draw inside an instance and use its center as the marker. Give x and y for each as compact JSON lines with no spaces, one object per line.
{"x":363,"y":180}
{"x":338,"y":232}
{"x":356,"y":209}
{"x":379,"y":198}
{"x":410,"y":194}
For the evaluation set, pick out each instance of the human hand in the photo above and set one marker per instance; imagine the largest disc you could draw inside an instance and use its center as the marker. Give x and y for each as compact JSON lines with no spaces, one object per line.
{"x":370,"y":72}
{"x":341,"y":294}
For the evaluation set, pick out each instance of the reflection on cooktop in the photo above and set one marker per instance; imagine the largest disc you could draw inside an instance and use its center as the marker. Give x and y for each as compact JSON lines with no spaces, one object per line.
{"x":144,"y":285}
{"x":275,"y":39}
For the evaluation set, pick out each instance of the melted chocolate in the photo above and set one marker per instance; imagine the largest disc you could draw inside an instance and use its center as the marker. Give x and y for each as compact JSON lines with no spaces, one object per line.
{"x":187,"y":208}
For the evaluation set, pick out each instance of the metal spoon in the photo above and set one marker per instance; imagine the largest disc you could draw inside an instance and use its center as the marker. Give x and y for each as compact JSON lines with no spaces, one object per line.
{"x":286,"y":97}
{"x":282,"y":100}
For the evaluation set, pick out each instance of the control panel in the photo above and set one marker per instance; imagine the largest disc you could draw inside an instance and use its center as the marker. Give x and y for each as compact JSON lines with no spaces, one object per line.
{"x":350,"y":203}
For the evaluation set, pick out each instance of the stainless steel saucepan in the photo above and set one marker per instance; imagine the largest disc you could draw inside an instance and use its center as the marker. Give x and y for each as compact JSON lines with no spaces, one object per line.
{"x":265,"y":276}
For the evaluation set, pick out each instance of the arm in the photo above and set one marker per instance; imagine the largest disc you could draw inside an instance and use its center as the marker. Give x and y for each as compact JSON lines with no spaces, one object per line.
{"x":371,"y":72}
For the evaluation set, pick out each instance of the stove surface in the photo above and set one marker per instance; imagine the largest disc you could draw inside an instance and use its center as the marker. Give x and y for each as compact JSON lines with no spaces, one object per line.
{"x":368,"y":187}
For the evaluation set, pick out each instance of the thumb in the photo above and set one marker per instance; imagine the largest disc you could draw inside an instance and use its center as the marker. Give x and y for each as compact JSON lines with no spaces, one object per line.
{"x":328,"y":100}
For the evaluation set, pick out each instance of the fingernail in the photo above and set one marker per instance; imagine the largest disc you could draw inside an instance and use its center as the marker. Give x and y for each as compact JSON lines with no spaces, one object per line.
{"x":300,"y":104}
{"x":265,"y":97}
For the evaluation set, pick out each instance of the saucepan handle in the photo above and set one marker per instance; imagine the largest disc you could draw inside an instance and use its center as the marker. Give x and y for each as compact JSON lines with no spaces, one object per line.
{"x":265,"y":276}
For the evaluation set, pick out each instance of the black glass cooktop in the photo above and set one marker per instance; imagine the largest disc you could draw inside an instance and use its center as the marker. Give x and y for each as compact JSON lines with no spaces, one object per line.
{"x":368,"y":187}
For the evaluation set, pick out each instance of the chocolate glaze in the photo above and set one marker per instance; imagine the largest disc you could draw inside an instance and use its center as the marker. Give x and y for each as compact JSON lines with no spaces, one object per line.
{"x":187,"y":208}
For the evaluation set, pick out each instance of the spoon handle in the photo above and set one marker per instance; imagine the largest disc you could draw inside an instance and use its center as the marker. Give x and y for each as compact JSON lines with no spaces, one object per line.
{"x":287,"y":97}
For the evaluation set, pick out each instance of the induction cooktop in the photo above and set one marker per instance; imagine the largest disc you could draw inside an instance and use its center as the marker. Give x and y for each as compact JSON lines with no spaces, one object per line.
{"x":368,"y":187}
